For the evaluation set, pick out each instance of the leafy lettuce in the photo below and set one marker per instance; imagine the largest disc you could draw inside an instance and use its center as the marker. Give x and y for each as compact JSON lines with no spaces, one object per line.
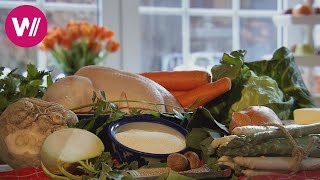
{"x":276,"y":83}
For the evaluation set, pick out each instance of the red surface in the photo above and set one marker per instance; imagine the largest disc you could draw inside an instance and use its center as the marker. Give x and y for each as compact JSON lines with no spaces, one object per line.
{"x":37,"y":173}
{"x":24,"y":174}
{"x":304,"y":175}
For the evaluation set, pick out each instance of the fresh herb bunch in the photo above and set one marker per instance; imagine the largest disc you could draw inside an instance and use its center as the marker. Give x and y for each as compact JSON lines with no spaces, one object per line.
{"x":102,"y":107}
{"x":14,"y":86}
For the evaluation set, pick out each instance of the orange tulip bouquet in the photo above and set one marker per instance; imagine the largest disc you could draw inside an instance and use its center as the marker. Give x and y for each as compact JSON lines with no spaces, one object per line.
{"x":79,"y":44}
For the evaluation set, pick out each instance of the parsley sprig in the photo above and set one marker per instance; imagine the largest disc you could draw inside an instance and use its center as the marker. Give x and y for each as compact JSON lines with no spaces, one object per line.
{"x":14,"y":86}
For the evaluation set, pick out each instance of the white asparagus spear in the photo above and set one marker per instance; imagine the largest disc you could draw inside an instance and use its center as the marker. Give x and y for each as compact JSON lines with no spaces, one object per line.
{"x":218,"y":142}
{"x":227,"y":161}
{"x":276,"y":163}
{"x":249,"y":130}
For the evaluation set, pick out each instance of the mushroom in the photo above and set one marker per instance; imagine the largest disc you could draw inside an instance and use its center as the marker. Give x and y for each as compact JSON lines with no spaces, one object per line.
{"x":193,"y":159}
{"x":177,"y":162}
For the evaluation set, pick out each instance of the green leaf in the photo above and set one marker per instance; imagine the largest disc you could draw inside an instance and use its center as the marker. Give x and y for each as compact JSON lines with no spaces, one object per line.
{"x":32,"y":71}
{"x":203,"y":118}
{"x":1,"y":71}
{"x":155,"y":114}
{"x":195,"y":137}
{"x":212,"y":133}
{"x":283,"y":69}
{"x":213,"y":164}
{"x":206,"y":147}
{"x":178,"y":115}
{"x":49,"y":81}
{"x":259,"y":83}
{"x":35,"y":83}
{"x":105,"y":158}
{"x":133,"y":165}
{"x":103,"y":95}
{"x":231,"y":65}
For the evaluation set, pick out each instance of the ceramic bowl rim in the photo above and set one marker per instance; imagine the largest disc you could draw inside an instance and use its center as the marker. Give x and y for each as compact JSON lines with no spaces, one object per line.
{"x":144,"y":118}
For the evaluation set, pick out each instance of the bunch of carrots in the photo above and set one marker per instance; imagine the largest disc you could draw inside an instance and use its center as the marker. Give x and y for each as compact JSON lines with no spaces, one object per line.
{"x":192,"y":89}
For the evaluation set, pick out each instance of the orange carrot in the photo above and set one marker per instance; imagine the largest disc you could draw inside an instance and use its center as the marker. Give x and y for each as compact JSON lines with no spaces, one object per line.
{"x":203,"y":94}
{"x":177,"y":93}
{"x":179,"y":80}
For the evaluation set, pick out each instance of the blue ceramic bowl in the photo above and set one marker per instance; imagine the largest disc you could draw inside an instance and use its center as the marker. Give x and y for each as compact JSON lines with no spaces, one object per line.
{"x":127,"y":154}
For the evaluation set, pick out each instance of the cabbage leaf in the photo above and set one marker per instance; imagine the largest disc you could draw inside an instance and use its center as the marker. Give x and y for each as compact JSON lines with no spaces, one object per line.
{"x":275,"y":83}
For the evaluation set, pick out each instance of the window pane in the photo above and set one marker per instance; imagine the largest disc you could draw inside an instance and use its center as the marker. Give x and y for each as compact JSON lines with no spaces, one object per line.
{"x":74,"y":1}
{"x":210,"y":37}
{"x":211,"y":4}
{"x":161,"y":3}
{"x":258,"y":36}
{"x":161,"y":42}
{"x":17,"y":0}
{"x":11,"y":55}
{"x":296,"y":35}
{"x":260,"y":4}
{"x":61,"y":18}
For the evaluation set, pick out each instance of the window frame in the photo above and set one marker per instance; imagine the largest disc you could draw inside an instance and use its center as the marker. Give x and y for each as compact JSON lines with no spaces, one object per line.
{"x":123,"y":17}
{"x":128,"y":26}
{"x":41,"y":61}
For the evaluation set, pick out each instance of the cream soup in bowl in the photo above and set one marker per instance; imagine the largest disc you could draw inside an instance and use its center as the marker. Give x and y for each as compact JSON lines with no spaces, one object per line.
{"x":145,"y":139}
{"x":151,"y":138}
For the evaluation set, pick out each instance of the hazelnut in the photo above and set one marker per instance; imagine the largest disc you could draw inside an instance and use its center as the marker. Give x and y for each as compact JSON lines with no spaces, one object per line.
{"x":193,"y":159}
{"x":177,"y":162}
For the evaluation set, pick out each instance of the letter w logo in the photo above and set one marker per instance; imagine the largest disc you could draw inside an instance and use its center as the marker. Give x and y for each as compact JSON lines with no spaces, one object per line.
{"x":25,"y":25}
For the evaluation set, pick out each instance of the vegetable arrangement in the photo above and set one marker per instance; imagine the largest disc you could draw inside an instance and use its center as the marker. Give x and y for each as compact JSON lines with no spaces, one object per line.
{"x":274,"y":88}
{"x":284,"y":149}
{"x":276,"y":83}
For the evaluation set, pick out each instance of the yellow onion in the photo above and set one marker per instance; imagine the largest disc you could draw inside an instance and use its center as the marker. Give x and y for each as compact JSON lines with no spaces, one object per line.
{"x":254,"y":116}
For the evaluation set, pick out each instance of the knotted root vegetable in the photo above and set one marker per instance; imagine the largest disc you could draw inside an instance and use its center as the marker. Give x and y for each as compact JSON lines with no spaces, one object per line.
{"x":23,"y":127}
{"x":69,"y":147}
